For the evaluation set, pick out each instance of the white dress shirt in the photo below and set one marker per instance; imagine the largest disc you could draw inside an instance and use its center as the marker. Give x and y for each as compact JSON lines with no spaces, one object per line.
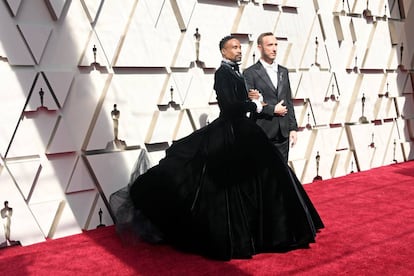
{"x":271,"y":70}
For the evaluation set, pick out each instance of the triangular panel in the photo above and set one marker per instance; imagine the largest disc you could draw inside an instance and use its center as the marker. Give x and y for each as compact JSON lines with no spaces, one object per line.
{"x":81,"y":179}
{"x":13,"y":5}
{"x":36,"y":37}
{"x":55,"y":7}
{"x":24,"y":172}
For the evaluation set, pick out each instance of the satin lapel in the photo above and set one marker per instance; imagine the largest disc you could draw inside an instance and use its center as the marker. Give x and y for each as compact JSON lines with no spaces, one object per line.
{"x":261,"y":71}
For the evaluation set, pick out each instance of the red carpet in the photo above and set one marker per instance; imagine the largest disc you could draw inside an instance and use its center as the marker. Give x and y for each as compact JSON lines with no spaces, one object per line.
{"x":369,"y":219}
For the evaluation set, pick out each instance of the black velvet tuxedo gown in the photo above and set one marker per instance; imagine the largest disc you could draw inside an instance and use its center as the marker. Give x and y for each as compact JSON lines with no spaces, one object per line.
{"x":224,"y":191}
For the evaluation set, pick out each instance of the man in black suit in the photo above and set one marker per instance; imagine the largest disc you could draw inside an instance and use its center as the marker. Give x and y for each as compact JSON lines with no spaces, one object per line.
{"x":271,"y":81}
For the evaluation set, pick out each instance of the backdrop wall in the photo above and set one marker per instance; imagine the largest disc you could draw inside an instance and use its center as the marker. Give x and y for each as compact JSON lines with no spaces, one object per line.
{"x":67,"y":67}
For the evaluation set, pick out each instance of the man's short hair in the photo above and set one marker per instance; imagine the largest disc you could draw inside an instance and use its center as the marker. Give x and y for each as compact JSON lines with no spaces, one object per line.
{"x":260,"y":38}
{"x":224,"y":40}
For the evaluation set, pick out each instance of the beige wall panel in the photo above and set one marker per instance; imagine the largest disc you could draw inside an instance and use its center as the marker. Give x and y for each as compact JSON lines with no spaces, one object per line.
{"x":298,"y":166}
{"x":82,"y":204}
{"x":163,"y":125}
{"x":93,"y":219}
{"x":404,"y":130}
{"x":393,"y":83}
{"x":289,"y":25}
{"x":303,"y":147}
{"x":363,"y":33}
{"x":15,"y":88}
{"x":375,"y":6}
{"x":141,"y":91}
{"x":39,"y":128}
{"x":113,"y":169}
{"x":393,"y":152}
{"x":45,"y":213}
{"x":65,"y":223}
{"x":295,"y":77}
{"x":184,"y":126}
{"x":371,"y":86}
{"x":406,"y":106}
{"x":68,"y":40}
{"x":327,"y":7}
{"x":303,"y":114}
{"x":12,"y":42}
{"x":110,"y":29}
{"x":385,"y":108}
{"x":254,"y":19}
{"x":379,"y":47}
{"x":81,"y":103}
{"x":60,"y":82}
{"x":53,"y":179}
{"x":184,"y":11}
{"x":150,"y":36}
{"x":405,"y":84}
{"x":344,"y":163}
{"x":80,"y":179}
{"x":14,"y":6}
{"x":408,"y":150}
{"x":191,"y":89}
{"x":219,"y":24}
{"x":24,"y":173}
{"x":93,"y":55}
{"x":166,"y":124}
{"x":325,"y":142}
{"x":136,"y":97}
{"x":315,"y":83}
{"x":346,"y":86}
{"x":339,"y":42}
{"x":63,"y":138}
{"x":314,"y":54}
{"x":360,"y":136}
{"x":24,"y":227}
{"x":35,"y":101}
{"x":382,"y":138}
{"x":128,"y":127}
{"x":36,"y":36}
{"x":409,"y":129}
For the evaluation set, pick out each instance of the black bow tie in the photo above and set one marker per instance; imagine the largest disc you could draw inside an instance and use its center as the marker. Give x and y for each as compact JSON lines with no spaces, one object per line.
{"x":235,"y":67}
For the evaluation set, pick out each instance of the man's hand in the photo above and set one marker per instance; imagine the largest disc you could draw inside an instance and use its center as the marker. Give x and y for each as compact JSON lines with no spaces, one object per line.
{"x":280,"y":109}
{"x":254,"y":94}
{"x":293,"y":137}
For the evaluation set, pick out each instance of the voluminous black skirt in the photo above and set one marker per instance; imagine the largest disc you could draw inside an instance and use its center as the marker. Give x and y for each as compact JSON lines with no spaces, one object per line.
{"x":225,"y":192}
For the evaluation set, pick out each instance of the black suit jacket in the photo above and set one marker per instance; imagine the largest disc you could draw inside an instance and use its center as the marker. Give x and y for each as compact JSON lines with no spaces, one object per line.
{"x":256,"y":77}
{"x":231,"y":93}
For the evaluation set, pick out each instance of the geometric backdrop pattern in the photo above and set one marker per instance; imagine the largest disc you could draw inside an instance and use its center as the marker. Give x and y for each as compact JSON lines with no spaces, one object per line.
{"x":86,"y":86}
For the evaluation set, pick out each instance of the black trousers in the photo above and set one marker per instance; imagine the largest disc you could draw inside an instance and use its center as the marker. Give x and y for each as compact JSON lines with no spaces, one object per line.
{"x":282,"y":144}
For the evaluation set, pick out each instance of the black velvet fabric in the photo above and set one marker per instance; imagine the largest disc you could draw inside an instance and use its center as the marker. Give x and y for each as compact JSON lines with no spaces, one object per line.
{"x":224,"y":191}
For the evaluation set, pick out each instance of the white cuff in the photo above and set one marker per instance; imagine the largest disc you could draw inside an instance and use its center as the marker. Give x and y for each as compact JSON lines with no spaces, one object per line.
{"x":259,"y":106}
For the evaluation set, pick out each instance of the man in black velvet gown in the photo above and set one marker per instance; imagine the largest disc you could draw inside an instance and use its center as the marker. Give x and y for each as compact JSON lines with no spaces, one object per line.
{"x":225,"y":191}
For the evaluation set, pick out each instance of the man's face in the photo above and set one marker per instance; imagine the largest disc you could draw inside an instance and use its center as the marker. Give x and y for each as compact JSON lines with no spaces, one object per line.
{"x":268,"y":48}
{"x":232,"y":50}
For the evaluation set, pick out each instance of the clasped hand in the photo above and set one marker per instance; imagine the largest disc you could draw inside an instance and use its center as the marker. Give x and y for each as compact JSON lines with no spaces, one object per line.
{"x":254,"y":94}
{"x":280,"y":109}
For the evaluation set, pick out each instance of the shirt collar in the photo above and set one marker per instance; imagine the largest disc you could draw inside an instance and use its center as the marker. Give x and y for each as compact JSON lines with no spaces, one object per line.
{"x":233,"y":65}
{"x":273,"y":66}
